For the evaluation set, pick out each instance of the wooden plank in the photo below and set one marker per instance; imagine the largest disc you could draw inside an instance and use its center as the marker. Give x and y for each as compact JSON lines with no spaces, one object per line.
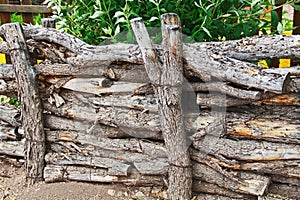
{"x":24,"y":9}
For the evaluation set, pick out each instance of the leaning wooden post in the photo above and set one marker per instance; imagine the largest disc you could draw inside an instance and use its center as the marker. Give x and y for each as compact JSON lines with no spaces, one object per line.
{"x":166,"y":77}
{"x":31,"y":106}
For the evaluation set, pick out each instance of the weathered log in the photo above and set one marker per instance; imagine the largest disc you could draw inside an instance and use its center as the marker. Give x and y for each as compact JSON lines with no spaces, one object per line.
{"x":31,"y":103}
{"x":7,"y":71}
{"x":226,"y":89}
{"x":236,"y":181}
{"x":82,"y":126}
{"x":4,"y":47}
{"x":219,"y":100}
{"x":63,"y":173}
{"x":8,"y":88}
{"x":256,"y":48}
{"x":251,"y":122}
{"x":87,"y":85}
{"x":8,"y":133}
{"x":10,"y":115}
{"x":243,"y":182}
{"x":167,"y":80}
{"x":276,"y":168}
{"x":292,"y":99}
{"x":110,"y":116}
{"x":12,"y":148}
{"x":286,"y":190}
{"x":249,"y":150}
{"x":229,"y":69}
{"x":286,"y":180}
{"x":213,"y":189}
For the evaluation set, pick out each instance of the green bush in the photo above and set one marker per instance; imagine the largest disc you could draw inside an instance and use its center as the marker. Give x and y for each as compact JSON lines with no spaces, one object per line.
{"x":204,"y":20}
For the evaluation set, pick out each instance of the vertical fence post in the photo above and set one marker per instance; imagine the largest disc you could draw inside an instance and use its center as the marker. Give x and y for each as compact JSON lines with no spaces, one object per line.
{"x":166,"y":78}
{"x":31,"y":107}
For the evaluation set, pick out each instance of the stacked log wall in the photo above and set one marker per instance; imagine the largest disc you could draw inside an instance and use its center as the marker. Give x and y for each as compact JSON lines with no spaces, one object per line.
{"x":102,"y":124}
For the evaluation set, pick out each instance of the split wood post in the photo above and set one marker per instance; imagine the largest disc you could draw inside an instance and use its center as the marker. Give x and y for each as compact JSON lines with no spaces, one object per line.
{"x":167,"y":79}
{"x":31,"y":106}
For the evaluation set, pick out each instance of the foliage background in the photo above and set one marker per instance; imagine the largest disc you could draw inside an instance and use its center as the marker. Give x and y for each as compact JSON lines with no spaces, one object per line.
{"x":95,"y":21}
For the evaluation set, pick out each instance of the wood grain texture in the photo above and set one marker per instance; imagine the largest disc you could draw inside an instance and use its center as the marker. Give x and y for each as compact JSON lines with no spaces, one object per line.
{"x":31,"y":104}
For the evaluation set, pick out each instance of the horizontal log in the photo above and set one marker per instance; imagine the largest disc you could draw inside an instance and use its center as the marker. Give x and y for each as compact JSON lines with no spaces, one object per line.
{"x":87,"y":85}
{"x":62,"y":125}
{"x":248,"y":150}
{"x":219,"y":100}
{"x":213,"y":191}
{"x":12,"y":148}
{"x":256,"y":48}
{"x":124,"y":72}
{"x":63,"y":173}
{"x":286,"y":180}
{"x":10,"y":115}
{"x":292,"y":99}
{"x":226,"y":89}
{"x":159,"y":167}
{"x":285,"y":190}
{"x":236,"y":71}
{"x":10,"y":133}
{"x":7,"y":71}
{"x":25,"y":9}
{"x":110,"y":116}
{"x":8,"y":88}
{"x":293,"y":70}
{"x":243,"y":182}
{"x":276,"y":168}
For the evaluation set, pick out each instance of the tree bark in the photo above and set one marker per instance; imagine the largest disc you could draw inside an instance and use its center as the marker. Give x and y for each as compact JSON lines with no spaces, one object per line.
{"x":167,"y":80}
{"x":30,"y":102}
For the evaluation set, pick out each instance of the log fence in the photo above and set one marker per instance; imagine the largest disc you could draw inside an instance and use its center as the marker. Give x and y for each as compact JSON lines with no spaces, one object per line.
{"x":112,"y":113}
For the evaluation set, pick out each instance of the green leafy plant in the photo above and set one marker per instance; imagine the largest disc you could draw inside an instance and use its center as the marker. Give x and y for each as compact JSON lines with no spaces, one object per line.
{"x":14,"y":101}
{"x":17,"y":17}
{"x":95,"y":21}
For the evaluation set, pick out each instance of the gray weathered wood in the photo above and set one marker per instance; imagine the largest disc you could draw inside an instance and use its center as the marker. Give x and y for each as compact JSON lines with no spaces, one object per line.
{"x":30,"y":102}
{"x":12,"y":148}
{"x":48,"y":23}
{"x":256,"y":48}
{"x":4,"y":47}
{"x":167,"y":79}
{"x":207,"y":62}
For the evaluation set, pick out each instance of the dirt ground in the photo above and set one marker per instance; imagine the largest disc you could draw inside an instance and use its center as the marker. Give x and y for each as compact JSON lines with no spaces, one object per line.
{"x":13,"y":187}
